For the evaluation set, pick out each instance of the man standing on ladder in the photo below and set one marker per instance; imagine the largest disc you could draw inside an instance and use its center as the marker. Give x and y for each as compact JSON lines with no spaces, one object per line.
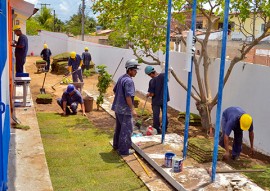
{"x":86,"y":57}
{"x":21,"y":48}
{"x":74,"y":66}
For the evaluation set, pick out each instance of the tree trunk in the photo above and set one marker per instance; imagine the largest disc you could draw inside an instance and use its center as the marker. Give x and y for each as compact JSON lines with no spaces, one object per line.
{"x":205,"y":112}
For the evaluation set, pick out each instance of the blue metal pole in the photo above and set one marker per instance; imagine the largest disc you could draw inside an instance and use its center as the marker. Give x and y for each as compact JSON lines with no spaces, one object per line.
{"x":220,"y":88}
{"x":165,"y":90}
{"x":193,"y":28}
{"x":3,"y":59}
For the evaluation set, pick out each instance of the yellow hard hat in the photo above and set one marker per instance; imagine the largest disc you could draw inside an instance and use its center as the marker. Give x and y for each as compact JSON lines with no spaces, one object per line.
{"x":45,"y":46}
{"x":16,"y":27}
{"x":86,"y":48}
{"x":245,"y":122}
{"x":73,"y":54}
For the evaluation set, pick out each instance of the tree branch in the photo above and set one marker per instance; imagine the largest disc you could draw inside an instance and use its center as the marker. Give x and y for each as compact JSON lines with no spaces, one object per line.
{"x":245,"y":49}
{"x":196,"y":98}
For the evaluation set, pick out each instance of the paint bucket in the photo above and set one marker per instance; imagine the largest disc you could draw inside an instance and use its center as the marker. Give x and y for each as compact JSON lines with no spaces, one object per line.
{"x":168,"y":159}
{"x":177,"y":164}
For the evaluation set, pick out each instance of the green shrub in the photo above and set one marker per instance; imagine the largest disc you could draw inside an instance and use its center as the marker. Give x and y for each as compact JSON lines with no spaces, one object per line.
{"x":104,"y":80}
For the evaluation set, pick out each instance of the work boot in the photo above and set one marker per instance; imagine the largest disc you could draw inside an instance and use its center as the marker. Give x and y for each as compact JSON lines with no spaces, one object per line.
{"x":235,"y":157}
{"x":130,"y":152}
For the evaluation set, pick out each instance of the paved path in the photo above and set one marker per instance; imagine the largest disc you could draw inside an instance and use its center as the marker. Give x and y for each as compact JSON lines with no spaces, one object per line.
{"x":27,"y":168}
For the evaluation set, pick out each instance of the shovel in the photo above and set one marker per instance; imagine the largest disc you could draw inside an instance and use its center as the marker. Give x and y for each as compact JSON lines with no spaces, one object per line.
{"x":42,"y":89}
{"x":139,"y":122}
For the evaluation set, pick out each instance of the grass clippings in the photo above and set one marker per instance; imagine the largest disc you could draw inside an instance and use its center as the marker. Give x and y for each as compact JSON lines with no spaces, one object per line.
{"x":80,"y":157}
{"x":22,"y":127}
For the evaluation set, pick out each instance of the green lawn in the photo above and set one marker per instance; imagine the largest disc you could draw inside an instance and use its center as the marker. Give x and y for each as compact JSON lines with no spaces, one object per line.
{"x":80,"y":157}
{"x":261,"y":178}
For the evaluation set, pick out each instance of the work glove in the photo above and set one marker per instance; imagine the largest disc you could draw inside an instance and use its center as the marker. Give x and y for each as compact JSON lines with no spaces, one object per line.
{"x":79,"y":68}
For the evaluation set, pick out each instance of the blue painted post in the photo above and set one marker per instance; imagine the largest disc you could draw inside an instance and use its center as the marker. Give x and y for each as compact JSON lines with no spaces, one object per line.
{"x":165,"y":92}
{"x":193,"y":28}
{"x":3,"y":60}
{"x":220,"y":88}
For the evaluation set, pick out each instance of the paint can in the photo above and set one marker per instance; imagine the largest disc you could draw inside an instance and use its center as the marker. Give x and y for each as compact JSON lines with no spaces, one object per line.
{"x":168,"y":159}
{"x":177,"y":164}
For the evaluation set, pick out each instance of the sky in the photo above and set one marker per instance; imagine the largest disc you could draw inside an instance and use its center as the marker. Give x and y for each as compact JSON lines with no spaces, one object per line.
{"x":64,"y":9}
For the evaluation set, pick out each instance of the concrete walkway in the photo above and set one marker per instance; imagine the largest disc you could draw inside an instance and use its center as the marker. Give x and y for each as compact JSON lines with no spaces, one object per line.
{"x":27,"y":168}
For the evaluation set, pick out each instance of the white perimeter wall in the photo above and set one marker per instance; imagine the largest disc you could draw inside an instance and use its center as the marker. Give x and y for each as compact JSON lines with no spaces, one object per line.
{"x":247,"y":87}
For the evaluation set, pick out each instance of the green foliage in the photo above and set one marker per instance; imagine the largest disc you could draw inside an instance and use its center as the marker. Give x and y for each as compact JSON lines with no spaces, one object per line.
{"x":104,"y":80}
{"x":44,"y":20}
{"x":142,"y":22}
{"x":89,"y":72}
{"x":74,"y":25}
{"x":80,"y":158}
{"x":116,"y":39}
{"x":32,"y":27}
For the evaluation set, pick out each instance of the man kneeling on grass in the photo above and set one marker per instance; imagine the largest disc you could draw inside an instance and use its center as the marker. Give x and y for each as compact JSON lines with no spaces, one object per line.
{"x":70,"y":100}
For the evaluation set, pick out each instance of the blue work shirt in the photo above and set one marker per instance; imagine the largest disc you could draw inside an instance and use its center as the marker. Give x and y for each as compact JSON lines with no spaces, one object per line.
{"x":124,"y":88}
{"x":22,"y":41}
{"x":86,"y":57}
{"x":76,"y":97}
{"x":231,"y":117}
{"x":74,"y":63}
{"x":46,"y":54}
{"x":156,"y":86}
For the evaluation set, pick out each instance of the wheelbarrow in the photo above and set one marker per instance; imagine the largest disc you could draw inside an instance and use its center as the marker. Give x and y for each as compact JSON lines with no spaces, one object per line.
{"x":41,"y":64}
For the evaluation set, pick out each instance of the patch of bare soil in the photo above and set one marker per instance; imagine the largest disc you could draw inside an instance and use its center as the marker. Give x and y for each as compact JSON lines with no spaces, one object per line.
{"x":103,"y":120}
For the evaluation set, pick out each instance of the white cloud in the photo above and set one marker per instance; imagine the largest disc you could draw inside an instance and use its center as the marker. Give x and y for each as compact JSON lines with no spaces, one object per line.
{"x":64,"y":6}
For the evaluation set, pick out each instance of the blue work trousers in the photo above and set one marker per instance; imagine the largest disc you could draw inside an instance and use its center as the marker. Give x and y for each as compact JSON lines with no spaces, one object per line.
{"x":20,"y":60}
{"x":47,"y":67}
{"x":122,"y":134}
{"x":237,"y":141}
{"x":76,"y":75}
{"x":73,"y":107}
{"x":156,"y":120}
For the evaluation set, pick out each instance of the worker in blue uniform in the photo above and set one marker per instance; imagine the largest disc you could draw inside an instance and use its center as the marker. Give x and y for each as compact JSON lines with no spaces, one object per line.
{"x":21,"y":48}
{"x":46,"y":54}
{"x":75,"y":66}
{"x":124,"y":91}
{"x":237,"y":120}
{"x":155,"y":90}
{"x":86,"y":57}
{"x":70,"y":100}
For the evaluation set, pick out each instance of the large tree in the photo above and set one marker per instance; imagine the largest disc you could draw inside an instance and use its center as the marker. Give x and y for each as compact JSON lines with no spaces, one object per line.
{"x":143,"y":25}
{"x":44,"y":20}
{"x":74,"y":24}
